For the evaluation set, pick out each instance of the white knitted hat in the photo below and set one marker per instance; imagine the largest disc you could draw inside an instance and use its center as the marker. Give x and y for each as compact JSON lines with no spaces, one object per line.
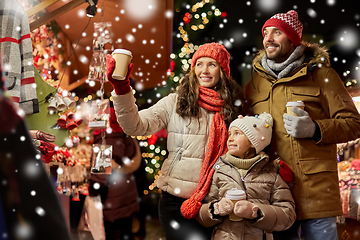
{"x":258,"y":129}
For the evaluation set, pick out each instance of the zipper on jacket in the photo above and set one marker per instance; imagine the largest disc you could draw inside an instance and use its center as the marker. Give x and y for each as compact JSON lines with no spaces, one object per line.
{"x":242,"y":178}
{"x":243,"y":182}
{"x":232,"y":166}
{"x":175,"y":161}
{"x":213,"y":233}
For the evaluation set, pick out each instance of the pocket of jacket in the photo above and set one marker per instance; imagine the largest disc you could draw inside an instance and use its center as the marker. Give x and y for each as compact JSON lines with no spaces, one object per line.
{"x":306,"y":94}
{"x":260,"y":100}
{"x":175,"y":161}
{"x":314,"y":158}
{"x":318,"y":165}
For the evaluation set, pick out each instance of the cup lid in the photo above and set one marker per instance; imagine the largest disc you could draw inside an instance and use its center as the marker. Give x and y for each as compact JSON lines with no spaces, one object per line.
{"x":235,"y":194}
{"x":296,"y":104}
{"x":123,"y":51}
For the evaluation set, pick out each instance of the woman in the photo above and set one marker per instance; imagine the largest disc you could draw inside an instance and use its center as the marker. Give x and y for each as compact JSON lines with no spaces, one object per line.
{"x":196,"y":119}
{"x":118,"y":190}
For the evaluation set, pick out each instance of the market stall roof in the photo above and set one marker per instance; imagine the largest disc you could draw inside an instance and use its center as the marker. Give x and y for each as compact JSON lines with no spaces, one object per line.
{"x":142,"y":26}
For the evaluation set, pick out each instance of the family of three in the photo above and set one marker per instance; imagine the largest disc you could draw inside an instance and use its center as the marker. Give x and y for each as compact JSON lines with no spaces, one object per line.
{"x":212,"y":149}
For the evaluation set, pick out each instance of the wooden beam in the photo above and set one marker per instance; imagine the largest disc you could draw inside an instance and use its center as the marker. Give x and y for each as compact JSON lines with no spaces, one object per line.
{"x":56,"y":13}
{"x":37,"y":8}
{"x":75,"y":84}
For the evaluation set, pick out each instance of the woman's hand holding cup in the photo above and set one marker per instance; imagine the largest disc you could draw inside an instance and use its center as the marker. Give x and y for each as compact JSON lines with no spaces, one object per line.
{"x":123,"y":86}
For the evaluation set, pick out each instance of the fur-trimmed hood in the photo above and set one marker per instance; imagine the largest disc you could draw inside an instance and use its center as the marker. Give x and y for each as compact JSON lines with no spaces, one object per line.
{"x":314,"y":54}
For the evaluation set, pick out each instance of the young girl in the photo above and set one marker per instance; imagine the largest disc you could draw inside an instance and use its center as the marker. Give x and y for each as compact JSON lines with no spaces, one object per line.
{"x":196,"y":119}
{"x":269,"y":205}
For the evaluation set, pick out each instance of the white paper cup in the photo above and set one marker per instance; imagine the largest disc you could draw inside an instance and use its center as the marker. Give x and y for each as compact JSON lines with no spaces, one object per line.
{"x":235,"y":195}
{"x":123,"y":58}
{"x":289,"y":105}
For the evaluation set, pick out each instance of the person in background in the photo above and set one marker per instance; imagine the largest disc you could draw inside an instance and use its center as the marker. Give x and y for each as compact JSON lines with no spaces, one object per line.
{"x":29,"y":205}
{"x":118,"y":190}
{"x":142,"y":184}
{"x":269,"y":205}
{"x":195,"y":118}
{"x":290,"y":70}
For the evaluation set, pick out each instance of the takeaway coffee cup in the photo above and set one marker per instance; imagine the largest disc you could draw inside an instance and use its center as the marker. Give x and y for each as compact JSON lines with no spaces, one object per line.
{"x":235,"y":195}
{"x":123,"y":58}
{"x":298,"y":104}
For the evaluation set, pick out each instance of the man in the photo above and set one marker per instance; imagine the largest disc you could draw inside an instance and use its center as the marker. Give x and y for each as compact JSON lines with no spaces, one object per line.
{"x":290,"y":70}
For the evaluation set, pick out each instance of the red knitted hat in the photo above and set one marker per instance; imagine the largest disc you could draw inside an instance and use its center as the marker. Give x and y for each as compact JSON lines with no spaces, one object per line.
{"x":288,"y":23}
{"x":215,"y":51}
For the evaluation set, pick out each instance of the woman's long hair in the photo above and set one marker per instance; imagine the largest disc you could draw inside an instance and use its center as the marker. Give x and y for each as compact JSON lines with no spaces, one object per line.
{"x":188,"y":94}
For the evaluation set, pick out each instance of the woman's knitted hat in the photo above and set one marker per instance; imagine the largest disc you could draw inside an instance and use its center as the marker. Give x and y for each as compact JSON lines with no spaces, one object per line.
{"x":288,"y":23}
{"x":258,"y":129}
{"x":215,"y":51}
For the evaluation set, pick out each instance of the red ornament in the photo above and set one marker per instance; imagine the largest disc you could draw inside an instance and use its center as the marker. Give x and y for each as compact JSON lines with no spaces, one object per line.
{"x":187,"y":18}
{"x":59,"y":189}
{"x":152,"y":140}
{"x":223,"y":14}
{"x":172,"y":65}
{"x":85,"y":190}
{"x":161,"y":134}
{"x":76,"y":196}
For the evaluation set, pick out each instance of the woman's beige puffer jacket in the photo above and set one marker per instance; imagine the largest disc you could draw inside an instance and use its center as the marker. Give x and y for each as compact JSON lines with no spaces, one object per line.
{"x":186,"y":141}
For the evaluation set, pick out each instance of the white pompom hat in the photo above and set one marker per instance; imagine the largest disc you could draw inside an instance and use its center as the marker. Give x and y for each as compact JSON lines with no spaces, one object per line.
{"x":258,"y":129}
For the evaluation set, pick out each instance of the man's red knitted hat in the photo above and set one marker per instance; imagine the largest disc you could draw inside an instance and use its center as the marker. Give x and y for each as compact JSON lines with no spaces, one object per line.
{"x":215,"y":51}
{"x":288,"y":23}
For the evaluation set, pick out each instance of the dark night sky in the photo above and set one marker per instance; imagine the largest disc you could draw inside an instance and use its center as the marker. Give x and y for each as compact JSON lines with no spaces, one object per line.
{"x":324,"y":20}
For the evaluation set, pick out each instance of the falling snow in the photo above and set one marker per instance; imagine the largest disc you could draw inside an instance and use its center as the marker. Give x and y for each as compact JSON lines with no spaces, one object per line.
{"x":330,"y":22}
{"x":175,"y":225}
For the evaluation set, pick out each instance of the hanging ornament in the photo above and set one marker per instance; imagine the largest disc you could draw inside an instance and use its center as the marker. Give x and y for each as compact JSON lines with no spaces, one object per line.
{"x":102,"y":44}
{"x":152,"y":140}
{"x":99,"y":115}
{"x":76,"y":195}
{"x":59,"y":189}
{"x":85,"y":190}
{"x":103,"y":36}
{"x":101,"y":159}
{"x":95,"y":67}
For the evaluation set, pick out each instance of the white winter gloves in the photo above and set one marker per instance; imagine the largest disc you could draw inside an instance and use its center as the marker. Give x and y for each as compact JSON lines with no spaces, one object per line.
{"x":245,"y":209}
{"x":301,"y":126}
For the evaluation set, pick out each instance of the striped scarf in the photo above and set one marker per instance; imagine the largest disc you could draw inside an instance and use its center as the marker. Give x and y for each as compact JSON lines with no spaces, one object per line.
{"x":281,"y":70}
{"x":209,"y":100}
{"x":17,"y":56}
